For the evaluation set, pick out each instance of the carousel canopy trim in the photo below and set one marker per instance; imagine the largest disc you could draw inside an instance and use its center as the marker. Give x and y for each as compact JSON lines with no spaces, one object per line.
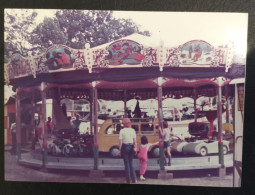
{"x":126,"y":75}
{"x":132,"y":52}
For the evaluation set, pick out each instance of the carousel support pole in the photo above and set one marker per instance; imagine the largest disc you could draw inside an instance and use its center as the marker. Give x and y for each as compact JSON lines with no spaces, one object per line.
{"x":44,"y":127}
{"x":162,"y":172}
{"x":195,"y":103}
{"x":222,"y":169}
{"x":33,"y":118}
{"x":96,"y":173}
{"x":160,"y":123}
{"x":125,"y":103}
{"x":227,"y":104}
{"x":18,"y":125}
{"x":91,"y":112}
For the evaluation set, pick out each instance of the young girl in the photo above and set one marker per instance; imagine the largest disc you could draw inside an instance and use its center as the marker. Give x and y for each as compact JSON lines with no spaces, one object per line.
{"x":143,"y":155}
{"x":166,"y":133}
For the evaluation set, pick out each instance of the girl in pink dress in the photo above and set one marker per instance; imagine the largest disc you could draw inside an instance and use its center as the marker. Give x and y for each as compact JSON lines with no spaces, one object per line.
{"x":143,"y":155}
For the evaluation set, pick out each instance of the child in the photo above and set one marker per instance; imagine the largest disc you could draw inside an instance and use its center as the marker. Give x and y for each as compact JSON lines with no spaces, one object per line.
{"x":166,"y":133}
{"x":143,"y":155}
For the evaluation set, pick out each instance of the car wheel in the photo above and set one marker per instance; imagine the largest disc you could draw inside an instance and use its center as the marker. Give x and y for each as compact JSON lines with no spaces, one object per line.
{"x":225,"y":150}
{"x":203,"y":151}
{"x":114,"y":152}
{"x":155,"y":152}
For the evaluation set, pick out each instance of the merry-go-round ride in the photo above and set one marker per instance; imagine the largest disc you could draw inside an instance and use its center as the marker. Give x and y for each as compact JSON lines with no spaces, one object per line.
{"x":125,"y":69}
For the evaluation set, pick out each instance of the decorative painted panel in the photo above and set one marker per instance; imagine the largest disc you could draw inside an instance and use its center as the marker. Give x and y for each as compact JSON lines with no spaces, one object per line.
{"x":196,"y":52}
{"x":59,"y":56}
{"x":125,"y":52}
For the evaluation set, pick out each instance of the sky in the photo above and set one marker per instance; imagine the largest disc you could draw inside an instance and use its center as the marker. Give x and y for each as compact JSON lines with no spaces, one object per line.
{"x":177,"y":28}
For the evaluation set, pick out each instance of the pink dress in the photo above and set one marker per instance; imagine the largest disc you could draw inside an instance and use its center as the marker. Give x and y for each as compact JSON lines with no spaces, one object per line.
{"x":143,"y":158}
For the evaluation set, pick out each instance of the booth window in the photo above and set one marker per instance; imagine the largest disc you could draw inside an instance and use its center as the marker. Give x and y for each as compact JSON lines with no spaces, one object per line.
{"x":147,"y":128}
{"x":113,"y":129}
{"x":136,"y":128}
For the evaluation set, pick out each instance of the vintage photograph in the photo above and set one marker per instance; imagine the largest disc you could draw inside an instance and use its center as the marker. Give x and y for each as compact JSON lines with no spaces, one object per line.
{"x":124,"y":97}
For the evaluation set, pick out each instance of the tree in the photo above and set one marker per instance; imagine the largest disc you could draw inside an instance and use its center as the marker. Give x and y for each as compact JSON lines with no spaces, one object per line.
{"x":48,"y":32}
{"x":18,"y":26}
{"x":75,"y":28}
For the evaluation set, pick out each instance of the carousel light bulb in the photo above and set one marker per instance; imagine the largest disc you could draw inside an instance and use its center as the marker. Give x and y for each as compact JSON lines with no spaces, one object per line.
{"x":93,"y":83}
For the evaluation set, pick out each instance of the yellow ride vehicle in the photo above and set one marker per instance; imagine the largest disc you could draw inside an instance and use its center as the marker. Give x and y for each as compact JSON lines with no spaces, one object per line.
{"x":108,"y":136}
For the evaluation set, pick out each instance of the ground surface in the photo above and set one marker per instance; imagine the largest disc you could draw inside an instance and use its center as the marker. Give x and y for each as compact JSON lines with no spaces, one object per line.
{"x":15,"y":172}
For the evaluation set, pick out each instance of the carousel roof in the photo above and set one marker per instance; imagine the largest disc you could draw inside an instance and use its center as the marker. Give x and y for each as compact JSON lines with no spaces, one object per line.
{"x":132,"y":58}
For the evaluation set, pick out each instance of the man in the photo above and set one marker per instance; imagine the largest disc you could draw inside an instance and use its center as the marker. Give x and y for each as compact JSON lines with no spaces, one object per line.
{"x":14,"y":143}
{"x":127,"y":149}
{"x":76,"y":123}
{"x":49,"y":126}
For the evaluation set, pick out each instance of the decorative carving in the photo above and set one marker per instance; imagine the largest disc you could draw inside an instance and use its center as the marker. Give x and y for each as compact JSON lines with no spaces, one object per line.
{"x":150,"y":56}
{"x":172,"y":57}
{"x":79,"y":62}
{"x":99,"y":58}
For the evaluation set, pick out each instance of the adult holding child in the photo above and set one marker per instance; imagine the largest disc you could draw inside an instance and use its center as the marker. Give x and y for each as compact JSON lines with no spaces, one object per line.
{"x":127,"y":149}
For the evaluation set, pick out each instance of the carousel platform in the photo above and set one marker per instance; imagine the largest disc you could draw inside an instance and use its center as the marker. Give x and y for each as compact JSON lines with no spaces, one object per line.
{"x":109,"y":164}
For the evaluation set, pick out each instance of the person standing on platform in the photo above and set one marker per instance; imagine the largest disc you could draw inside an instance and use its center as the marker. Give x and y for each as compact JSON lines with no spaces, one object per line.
{"x":127,"y":149}
{"x":49,"y":126}
{"x":166,"y":134}
{"x":76,"y":123}
{"x":14,"y":142}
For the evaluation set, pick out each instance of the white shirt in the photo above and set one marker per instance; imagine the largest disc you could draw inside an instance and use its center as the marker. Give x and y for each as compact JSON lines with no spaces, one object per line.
{"x":167,"y":134}
{"x":146,"y":145}
{"x":13,"y":127}
{"x":127,"y":135}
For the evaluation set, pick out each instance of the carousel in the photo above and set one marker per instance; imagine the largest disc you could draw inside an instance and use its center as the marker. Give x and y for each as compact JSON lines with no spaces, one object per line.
{"x":132,"y":68}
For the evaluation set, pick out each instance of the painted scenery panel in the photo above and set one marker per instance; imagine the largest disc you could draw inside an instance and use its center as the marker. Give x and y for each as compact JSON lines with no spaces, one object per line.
{"x":125,"y":52}
{"x":59,"y":57}
{"x":196,"y":52}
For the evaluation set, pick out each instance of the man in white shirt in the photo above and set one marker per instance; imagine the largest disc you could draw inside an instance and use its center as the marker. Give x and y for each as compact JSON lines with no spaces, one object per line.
{"x":127,"y":149}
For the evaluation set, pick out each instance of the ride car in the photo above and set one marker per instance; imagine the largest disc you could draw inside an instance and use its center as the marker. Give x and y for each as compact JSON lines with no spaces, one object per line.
{"x":177,"y":144}
{"x":205,"y":147}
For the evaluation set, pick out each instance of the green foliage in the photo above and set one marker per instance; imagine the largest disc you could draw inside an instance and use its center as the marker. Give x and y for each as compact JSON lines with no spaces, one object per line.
{"x":75,"y":28}
{"x":48,"y":32}
{"x":18,"y":25}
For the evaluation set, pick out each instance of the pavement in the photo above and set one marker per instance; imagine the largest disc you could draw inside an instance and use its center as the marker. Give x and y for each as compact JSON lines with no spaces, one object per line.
{"x":16,"y":172}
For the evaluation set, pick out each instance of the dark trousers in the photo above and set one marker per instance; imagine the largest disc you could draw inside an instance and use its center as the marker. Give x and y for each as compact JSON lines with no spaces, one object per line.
{"x":127,"y":152}
{"x":35,"y":140}
{"x":14,"y":143}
